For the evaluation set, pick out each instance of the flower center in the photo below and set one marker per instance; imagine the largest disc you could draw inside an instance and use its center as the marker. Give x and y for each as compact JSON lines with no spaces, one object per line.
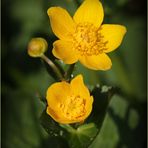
{"x":73,"y":107}
{"x":87,"y":40}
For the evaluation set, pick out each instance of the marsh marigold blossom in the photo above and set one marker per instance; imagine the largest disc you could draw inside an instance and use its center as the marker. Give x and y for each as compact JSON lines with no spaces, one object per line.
{"x":83,"y":37}
{"x":69,"y":102}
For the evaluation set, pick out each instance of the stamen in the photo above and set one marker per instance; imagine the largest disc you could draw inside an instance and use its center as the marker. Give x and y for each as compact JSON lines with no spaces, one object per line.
{"x":73,"y":107}
{"x":88,"y":40}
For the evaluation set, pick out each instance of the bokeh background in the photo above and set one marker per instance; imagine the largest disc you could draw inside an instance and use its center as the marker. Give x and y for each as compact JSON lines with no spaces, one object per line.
{"x":25,"y":78}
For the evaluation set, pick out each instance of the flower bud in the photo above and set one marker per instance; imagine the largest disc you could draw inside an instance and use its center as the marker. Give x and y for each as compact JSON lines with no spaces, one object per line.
{"x":37,"y":47}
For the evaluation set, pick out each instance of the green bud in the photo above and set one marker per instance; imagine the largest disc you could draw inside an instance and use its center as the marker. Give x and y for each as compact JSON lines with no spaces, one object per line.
{"x":37,"y":47}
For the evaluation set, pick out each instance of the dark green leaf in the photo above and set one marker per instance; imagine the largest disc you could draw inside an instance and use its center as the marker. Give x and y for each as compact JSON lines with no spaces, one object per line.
{"x":82,"y":136}
{"x":51,"y":127}
{"x":102,"y":96}
{"x":55,"y":142}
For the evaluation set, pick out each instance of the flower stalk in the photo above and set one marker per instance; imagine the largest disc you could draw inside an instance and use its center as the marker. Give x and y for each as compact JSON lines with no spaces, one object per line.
{"x":68,"y":128}
{"x":53,"y":66}
{"x":68,"y":73}
{"x":77,"y":3}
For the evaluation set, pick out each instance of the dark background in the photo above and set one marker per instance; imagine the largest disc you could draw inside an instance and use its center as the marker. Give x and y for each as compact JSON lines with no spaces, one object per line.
{"x":24,"y":78}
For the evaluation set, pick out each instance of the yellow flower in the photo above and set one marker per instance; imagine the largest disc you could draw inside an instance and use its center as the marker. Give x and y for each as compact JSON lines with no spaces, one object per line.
{"x":37,"y":47}
{"x":83,"y":37}
{"x":69,"y":102}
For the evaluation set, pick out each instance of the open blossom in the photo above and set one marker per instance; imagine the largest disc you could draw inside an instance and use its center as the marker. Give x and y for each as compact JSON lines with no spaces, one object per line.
{"x":69,"y":102}
{"x":83,"y":37}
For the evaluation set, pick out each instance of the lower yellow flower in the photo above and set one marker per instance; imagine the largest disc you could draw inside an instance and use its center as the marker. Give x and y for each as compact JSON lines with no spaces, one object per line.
{"x":69,"y":102}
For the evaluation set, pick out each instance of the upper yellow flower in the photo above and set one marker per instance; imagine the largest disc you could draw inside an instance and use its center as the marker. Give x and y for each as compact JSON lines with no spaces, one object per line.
{"x":83,"y":38}
{"x":69,"y":103}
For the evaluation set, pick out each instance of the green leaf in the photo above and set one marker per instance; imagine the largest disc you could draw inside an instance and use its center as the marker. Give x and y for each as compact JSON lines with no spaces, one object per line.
{"x":81,"y":137}
{"x":51,"y":127}
{"x":54,"y":142}
{"x":20,"y":124}
{"x":55,"y":132}
{"x":102,"y":96}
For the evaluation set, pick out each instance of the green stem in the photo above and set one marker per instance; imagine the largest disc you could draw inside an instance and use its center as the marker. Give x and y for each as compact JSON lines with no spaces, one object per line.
{"x":68,"y":128}
{"x":69,"y":71}
{"x":78,"y":3}
{"x":53,"y":66}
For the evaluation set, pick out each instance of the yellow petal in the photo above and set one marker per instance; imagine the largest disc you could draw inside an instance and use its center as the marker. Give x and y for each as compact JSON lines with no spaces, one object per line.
{"x":113,"y":34}
{"x":78,"y":87}
{"x":60,"y":118}
{"x":96,"y":62}
{"x":61,"y":23}
{"x":57,"y":116}
{"x":88,"y":106}
{"x":63,"y":50}
{"x":90,"y":11}
{"x":57,"y":93}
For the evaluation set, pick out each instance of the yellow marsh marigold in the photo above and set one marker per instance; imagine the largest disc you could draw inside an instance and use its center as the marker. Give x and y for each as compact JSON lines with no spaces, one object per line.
{"x":69,"y":102}
{"x":83,"y":37}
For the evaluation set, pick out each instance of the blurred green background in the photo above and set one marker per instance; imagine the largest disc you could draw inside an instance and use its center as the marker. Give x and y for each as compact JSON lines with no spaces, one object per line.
{"x":25,"y":78}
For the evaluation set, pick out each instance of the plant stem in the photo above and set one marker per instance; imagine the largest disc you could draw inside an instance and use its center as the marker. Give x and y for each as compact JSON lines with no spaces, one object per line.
{"x":78,"y":3}
{"x":69,"y":71}
{"x":53,"y":66}
{"x":68,"y":128}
